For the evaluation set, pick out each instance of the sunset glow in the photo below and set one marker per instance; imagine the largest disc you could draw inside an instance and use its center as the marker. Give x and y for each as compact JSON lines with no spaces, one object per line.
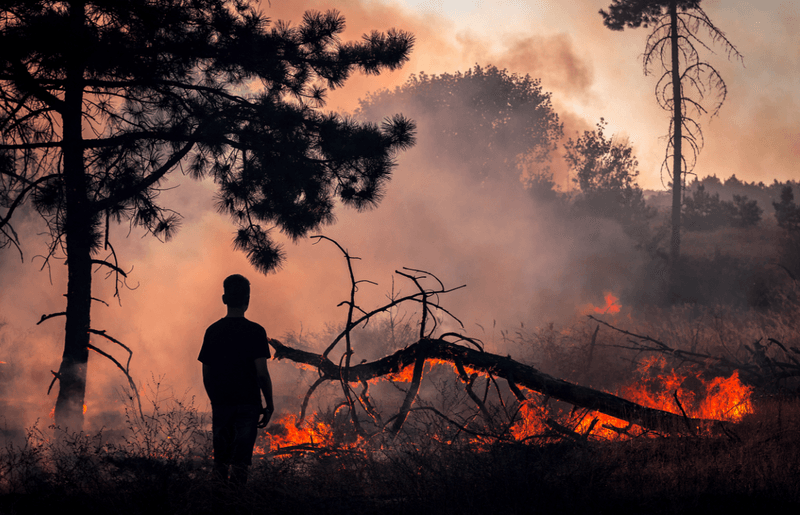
{"x":400,"y":256}
{"x":525,"y":261}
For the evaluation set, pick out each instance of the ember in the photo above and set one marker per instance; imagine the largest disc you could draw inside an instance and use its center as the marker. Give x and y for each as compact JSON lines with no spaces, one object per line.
{"x":290,"y":433}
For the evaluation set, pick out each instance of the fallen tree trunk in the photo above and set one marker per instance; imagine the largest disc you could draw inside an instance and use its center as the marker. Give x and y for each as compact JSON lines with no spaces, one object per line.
{"x":517,"y":374}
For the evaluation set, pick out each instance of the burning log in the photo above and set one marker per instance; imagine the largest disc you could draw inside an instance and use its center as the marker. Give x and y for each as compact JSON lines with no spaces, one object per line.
{"x":505,"y":367}
{"x":466,"y":355}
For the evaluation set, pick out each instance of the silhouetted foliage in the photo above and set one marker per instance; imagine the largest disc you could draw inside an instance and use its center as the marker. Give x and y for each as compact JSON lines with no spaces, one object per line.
{"x":747,"y":213}
{"x":605,"y":171}
{"x":99,"y":101}
{"x":787,"y":213}
{"x":482,"y":121}
{"x":703,"y":211}
{"x":542,"y":188}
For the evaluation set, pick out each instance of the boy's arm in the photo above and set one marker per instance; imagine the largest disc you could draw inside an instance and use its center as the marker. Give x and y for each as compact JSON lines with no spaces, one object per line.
{"x":205,"y":377}
{"x":265,"y":384}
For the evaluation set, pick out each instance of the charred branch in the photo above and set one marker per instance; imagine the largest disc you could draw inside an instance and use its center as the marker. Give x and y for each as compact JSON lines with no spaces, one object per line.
{"x":320,"y":381}
{"x":114,"y":340}
{"x":416,"y":379}
{"x":493,"y":364}
{"x":366,"y":403}
{"x":468,"y":382}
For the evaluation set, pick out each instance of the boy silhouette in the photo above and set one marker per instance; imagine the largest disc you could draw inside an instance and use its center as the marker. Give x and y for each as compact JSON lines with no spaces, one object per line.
{"x":234,"y":356}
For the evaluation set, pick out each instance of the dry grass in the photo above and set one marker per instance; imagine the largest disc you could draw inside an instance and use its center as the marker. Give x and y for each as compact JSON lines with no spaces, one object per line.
{"x":161,"y":463}
{"x":755,"y":463}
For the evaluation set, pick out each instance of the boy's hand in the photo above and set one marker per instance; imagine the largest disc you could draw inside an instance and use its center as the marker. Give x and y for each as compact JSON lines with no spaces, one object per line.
{"x":266,"y":414}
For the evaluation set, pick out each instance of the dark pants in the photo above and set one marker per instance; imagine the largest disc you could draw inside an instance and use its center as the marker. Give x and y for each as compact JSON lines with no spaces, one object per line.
{"x":234,"y":429}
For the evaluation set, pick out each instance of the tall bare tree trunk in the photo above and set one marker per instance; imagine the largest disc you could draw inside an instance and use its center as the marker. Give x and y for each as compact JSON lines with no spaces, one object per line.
{"x":677,"y":160}
{"x":78,"y":236}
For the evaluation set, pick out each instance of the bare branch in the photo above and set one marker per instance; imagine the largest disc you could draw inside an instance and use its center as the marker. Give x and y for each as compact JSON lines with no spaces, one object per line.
{"x":115,"y":268}
{"x":114,"y":340}
{"x":124,"y":370}
{"x":416,"y":378}
{"x":51,"y":315}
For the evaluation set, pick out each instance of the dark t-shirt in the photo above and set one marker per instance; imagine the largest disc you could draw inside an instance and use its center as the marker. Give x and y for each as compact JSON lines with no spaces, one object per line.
{"x":230,"y":348}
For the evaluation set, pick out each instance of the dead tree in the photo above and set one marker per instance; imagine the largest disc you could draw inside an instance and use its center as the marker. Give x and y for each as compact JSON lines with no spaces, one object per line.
{"x":461,"y":351}
{"x":515,"y":373}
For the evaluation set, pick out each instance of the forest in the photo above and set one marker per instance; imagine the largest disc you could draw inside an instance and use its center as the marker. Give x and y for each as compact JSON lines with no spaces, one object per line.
{"x":642,"y":354}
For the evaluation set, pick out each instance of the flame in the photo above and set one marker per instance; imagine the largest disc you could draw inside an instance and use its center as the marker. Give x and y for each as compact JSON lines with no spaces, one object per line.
{"x":725,"y":399}
{"x":287,"y":432}
{"x":532,"y":414}
{"x":611,"y":306}
{"x":407,"y":373}
{"x":720,"y":398}
{"x":53,"y":411}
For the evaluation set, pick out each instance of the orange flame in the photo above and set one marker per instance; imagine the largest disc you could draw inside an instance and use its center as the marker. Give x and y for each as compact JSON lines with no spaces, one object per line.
{"x":53,"y":411}
{"x":532,"y":415}
{"x":725,"y":399}
{"x":612,"y":307}
{"x":406,"y":374}
{"x":290,"y":433}
{"x":721,"y":398}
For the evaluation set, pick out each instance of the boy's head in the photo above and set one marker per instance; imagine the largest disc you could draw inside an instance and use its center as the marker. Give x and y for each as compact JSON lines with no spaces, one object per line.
{"x":236,"y":291}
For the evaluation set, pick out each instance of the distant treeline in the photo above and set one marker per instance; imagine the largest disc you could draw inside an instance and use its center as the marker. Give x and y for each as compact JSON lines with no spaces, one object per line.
{"x":711,"y":203}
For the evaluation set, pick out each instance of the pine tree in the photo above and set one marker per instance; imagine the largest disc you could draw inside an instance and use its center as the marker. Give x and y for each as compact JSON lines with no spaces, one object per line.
{"x":101,"y":100}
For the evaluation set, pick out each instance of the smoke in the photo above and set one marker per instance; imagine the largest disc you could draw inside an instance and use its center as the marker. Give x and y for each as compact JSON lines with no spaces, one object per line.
{"x":551,"y":58}
{"x":522,"y":262}
{"x":489,"y":236}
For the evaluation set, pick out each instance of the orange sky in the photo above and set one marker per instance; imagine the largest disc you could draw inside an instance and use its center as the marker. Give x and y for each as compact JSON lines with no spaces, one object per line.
{"x":519,"y":264}
{"x":594,"y":72}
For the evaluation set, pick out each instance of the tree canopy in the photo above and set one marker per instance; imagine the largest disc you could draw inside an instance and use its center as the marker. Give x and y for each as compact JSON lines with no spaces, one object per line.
{"x":480,"y":121}
{"x":640,"y":13}
{"x":211,"y":85}
{"x":100,"y":100}
{"x":606,"y":170}
{"x":703,"y":211}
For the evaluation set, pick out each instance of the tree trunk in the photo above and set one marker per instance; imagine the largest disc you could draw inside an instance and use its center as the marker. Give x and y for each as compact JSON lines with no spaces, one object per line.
{"x":677,"y":160}
{"x":78,"y":234}
{"x":517,"y":374}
